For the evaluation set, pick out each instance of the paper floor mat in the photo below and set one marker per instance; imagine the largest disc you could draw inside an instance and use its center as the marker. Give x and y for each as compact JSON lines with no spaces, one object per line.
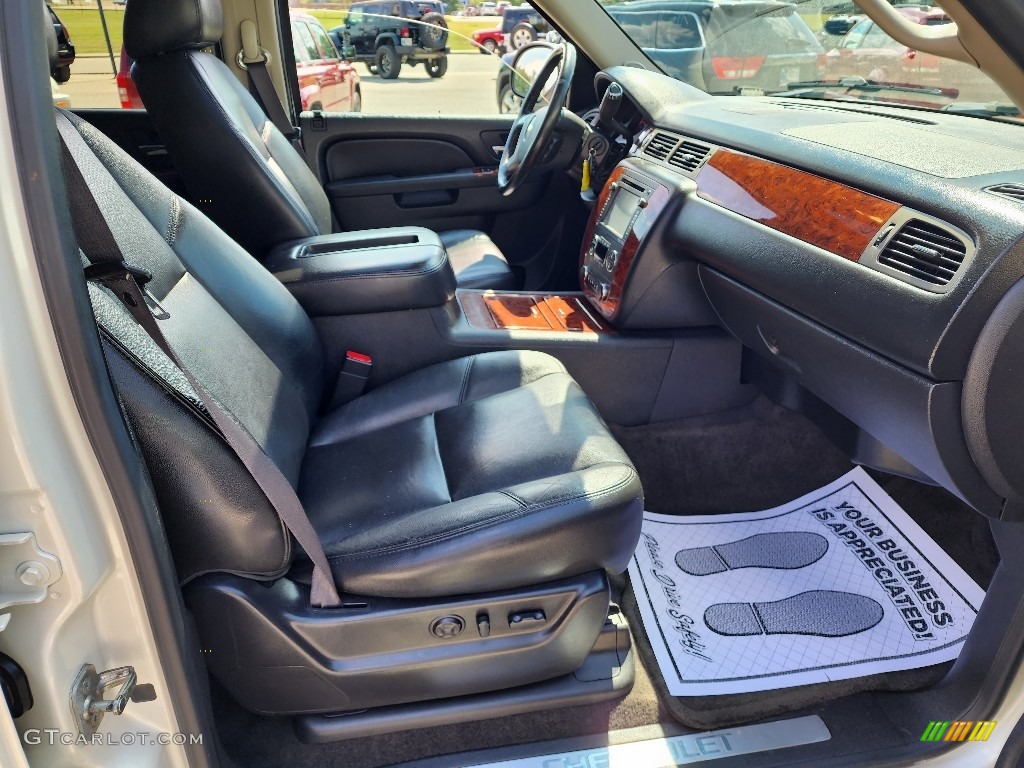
{"x":839,"y":583}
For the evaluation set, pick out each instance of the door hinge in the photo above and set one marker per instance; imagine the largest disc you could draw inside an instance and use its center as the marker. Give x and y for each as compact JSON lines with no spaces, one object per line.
{"x":87,"y":703}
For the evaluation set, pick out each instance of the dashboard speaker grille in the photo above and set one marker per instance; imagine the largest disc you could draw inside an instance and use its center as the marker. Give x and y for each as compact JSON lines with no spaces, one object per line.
{"x":924,"y":251}
{"x":688,"y":156}
{"x":1014,"y":192}
{"x":661,"y":145}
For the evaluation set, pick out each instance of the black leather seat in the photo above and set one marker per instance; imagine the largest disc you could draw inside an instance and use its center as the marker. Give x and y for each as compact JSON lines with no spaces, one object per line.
{"x":487,"y":472}
{"x":487,"y":475}
{"x":251,"y":180}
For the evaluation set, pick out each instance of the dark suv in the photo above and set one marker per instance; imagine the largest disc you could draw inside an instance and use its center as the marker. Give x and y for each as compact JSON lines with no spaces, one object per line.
{"x":385,"y":35}
{"x":724,"y":45}
{"x":522,"y":25}
{"x":65,"y":49}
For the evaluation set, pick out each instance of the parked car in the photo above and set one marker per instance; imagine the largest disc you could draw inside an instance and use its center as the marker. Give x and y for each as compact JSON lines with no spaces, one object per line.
{"x":724,"y":45}
{"x":508,"y":100}
{"x":385,"y":35}
{"x":488,"y":9}
{"x":834,"y":29}
{"x":60,"y":99}
{"x":489,"y":40}
{"x":326,"y":81}
{"x":127,"y":93}
{"x":65,"y":49}
{"x":867,"y":51}
{"x":522,"y":25}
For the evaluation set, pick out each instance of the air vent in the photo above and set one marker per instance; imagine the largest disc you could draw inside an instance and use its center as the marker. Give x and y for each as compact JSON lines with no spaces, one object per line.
{"x":661,"y":145}
{"x":1014,"y":192}
{"x":924,"y":251}
{"x":688,"y":156}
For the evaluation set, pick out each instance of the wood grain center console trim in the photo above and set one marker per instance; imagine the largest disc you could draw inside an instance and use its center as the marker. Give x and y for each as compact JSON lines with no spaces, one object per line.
{"x":529,"y":312}
{"x":818,"y":211}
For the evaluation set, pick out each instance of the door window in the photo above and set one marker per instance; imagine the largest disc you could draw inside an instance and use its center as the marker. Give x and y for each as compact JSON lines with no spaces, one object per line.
{"x":308,"y":43}
{"x":298,"y":49}
{"x":327,"y":48}
{"x":677,"y":31}
{"x":855,"y":36}
{"x":877,"y":38}
{"x":453,"y":78}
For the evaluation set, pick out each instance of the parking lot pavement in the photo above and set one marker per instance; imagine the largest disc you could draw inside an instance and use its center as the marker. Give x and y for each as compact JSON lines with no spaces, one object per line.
{"x":467,"y":88}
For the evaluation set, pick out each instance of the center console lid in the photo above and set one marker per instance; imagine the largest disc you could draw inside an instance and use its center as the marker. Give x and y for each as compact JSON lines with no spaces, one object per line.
{"x":370,"y":270}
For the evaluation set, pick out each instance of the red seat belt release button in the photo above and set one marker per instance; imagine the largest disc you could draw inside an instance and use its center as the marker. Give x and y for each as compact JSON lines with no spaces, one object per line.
{"x":355,"y":372}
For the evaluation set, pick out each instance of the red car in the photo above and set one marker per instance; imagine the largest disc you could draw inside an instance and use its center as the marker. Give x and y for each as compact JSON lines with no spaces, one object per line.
{"x":489,"y":40}
{"x":867,"y":51}
{"x":326,"y":81}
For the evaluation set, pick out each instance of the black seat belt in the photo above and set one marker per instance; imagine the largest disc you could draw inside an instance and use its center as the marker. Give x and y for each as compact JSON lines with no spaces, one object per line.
{"x":267,"y":96}
{"x":109,"y":267}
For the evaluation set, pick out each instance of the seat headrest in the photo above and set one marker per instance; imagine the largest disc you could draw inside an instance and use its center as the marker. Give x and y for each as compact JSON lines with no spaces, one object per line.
{"x":50,"y":33}
{"x":152,"y":27}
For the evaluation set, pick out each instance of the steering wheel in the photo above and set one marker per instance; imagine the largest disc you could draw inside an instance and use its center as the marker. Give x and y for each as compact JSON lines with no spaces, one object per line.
{"x":534,"y":125}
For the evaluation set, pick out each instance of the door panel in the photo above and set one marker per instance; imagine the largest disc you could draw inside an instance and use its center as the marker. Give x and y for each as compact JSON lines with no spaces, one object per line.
{"x":438,"y":173}
{"x":354,"y":158}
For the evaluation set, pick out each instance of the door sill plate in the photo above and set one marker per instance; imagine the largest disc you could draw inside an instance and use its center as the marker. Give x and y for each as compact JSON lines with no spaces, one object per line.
{"x":691,"y":748}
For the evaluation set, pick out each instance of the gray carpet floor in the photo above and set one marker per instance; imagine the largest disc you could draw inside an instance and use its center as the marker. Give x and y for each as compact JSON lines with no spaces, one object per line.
{"x":757,"y":457}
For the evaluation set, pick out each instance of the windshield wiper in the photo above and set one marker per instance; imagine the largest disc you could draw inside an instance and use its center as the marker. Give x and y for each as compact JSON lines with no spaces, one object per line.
{"x":983,"y":110}
{"x":868,"y":86}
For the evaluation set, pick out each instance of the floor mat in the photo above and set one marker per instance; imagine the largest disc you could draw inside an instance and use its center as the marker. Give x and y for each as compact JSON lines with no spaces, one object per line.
{"x":837,"y":585}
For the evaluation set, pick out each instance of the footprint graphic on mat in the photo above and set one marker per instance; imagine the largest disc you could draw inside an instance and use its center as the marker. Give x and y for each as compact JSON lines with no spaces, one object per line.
{"x":820,"y":612}
{"x":786,"y":551}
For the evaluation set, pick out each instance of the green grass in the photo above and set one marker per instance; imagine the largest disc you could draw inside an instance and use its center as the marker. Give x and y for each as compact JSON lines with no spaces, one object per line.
{"x":86,"y":30}
{"x":87,"y":33}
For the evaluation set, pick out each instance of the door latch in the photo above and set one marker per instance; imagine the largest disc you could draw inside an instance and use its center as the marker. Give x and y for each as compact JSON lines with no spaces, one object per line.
{"x":87,"y":703}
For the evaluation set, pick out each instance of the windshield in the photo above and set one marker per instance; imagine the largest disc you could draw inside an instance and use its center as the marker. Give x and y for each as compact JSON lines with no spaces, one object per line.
{"x":804,"y":49}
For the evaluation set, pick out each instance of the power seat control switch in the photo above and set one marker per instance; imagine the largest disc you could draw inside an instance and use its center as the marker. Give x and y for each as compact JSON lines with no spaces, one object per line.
{"x":526,"y":619}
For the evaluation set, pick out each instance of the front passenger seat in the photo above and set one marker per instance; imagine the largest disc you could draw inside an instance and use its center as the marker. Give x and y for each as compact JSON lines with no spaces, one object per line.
{"x":482,"y":497}
{"x":247,"y":175}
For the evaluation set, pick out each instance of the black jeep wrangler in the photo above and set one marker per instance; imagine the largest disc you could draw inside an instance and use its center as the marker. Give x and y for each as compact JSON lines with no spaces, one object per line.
{"x":384,"y":35}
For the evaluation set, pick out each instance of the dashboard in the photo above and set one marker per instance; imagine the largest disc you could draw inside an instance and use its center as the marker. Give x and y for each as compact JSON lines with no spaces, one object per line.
{"x":872,"y":254}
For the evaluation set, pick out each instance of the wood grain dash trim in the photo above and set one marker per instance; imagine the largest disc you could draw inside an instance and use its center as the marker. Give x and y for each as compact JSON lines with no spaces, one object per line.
{"x":825,"y":213}
{"x":537,"y":312}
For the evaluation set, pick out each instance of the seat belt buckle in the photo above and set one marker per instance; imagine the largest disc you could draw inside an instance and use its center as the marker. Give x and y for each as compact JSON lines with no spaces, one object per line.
{"x":108,"y":271}
{"x":352,"y":378}
{"x":105,"y":271}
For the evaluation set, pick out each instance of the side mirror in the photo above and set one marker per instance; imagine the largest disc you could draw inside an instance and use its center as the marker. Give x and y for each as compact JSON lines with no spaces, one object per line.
{"x":527,"y":64}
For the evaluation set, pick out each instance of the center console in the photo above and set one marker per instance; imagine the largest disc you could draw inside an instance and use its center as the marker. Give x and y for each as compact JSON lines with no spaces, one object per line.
{"x":625,"y":214}
{"x":367,"y":271}
{"x":628,"y":272}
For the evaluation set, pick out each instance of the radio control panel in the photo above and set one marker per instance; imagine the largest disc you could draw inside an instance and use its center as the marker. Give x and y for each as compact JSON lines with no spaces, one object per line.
{"x":621,"y":219}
